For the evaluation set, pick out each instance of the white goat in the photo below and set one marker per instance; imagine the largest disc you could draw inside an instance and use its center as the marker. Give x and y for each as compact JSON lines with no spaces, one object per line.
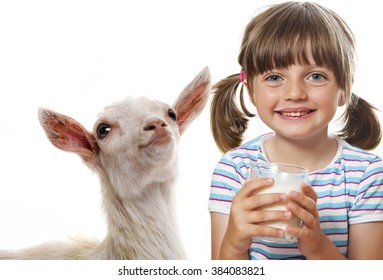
{"x":133,"y":149}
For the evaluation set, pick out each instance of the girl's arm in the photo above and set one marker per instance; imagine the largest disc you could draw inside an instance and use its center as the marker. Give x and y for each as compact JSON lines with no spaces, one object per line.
{"x":366,"y":241}
{"x":219,"y":223}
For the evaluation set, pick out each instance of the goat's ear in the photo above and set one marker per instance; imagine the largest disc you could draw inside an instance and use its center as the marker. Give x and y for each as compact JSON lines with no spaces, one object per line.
{"x":67,"y":134}
{"x":193,"y":99}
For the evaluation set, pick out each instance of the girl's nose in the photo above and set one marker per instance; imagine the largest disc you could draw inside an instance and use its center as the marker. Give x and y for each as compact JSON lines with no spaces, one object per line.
{"x":295,"y":90}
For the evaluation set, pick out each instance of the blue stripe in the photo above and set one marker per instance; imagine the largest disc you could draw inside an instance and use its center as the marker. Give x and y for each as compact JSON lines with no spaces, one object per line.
{"x":334,"y":218}
{"x":335,"y":230}
{"x":224,"y":185}
{"x":369,"y":207}
{"x":271,"y":255}
{"x":331,"y":205}
{"x":221,"y":197}
{"x":372,"y":194}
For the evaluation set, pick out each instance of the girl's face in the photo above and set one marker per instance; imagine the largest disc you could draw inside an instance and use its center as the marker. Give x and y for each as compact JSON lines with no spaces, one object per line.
{"x":297,"y":102}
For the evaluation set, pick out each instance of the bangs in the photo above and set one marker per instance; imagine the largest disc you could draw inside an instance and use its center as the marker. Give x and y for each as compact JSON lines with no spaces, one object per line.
{"x":292,"y":49}
{"x":280,"y":38}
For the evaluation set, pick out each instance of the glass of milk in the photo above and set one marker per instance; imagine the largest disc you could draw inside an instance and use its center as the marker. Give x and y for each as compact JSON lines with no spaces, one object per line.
{"x":286,"y":178}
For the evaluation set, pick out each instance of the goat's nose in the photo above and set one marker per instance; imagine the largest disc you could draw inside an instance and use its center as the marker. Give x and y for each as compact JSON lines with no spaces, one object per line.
{"x":154,"y":124}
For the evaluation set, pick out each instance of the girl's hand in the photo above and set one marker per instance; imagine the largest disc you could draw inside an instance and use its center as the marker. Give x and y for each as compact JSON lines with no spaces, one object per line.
{"x":245,"y":215}
{"x":310,"y":236}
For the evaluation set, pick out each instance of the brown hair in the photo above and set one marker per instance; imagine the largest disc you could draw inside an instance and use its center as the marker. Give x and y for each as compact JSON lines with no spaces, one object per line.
{"x":277,"y":38}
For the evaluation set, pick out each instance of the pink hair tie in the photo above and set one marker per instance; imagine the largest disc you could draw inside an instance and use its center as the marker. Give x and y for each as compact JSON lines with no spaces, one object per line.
{"x":242,"y":75}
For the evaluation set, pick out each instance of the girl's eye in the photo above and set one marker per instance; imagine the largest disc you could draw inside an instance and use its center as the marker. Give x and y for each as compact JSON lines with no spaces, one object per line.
{"x":172,"y":115}
{"x":103,"y":130}
{"x":273,"y":78}
{"x":317,"y":77}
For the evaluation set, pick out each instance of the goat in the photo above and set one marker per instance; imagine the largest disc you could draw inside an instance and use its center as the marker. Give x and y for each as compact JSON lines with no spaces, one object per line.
{"x":133,"y":149}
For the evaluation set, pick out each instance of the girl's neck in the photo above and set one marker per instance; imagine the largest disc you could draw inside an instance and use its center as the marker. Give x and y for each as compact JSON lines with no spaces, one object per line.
{"x":314,"y":153}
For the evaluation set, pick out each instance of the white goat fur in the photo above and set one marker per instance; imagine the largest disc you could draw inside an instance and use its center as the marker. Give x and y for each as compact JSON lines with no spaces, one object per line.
{"x":136,"y":162}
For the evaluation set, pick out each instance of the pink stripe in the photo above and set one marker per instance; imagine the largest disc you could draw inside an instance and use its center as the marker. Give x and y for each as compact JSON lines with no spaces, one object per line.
{"x":333,"y":221}
{"x":334,"y":196}
{"x":367,"y":209}
{"x":334,"y":208}
{"x":224,"y":176}
{"x":221,"y":200}
{"x":249,"y":149}
{"x":373,"y":174}
{"x":220,"y":187}
{"x":229,"y":165}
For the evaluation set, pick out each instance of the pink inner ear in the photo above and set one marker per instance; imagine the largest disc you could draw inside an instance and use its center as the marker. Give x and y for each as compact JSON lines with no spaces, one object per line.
{"x":81,"y":140}
{"x":68,"y":135}
{"x":187,"y":107}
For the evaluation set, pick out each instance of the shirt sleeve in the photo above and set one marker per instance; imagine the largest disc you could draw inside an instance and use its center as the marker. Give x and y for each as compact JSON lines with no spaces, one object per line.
{"x":368,"y":204}
{"x":226,"y":181}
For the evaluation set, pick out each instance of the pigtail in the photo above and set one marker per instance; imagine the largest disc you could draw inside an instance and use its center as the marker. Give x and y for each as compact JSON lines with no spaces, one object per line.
{"x":228,"y":122}
{"x":361,"y":125}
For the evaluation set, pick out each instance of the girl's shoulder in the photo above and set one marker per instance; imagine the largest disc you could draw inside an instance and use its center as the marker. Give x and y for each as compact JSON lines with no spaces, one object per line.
{"x":353,"y":162}
{"x":350,"y":153}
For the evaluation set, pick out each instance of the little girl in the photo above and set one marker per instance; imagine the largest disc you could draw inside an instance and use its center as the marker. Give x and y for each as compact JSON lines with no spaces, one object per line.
{"x":298,"y":64}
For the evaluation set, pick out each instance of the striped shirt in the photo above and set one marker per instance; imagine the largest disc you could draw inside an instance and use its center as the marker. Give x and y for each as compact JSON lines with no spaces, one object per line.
{"x":349,"y":189}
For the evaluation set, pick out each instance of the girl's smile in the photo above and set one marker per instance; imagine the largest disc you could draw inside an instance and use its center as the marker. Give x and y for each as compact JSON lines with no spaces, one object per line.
{"x":299,"y":113}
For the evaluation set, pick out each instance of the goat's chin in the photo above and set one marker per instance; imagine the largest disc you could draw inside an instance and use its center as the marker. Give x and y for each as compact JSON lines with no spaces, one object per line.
{"x":160,"y":151}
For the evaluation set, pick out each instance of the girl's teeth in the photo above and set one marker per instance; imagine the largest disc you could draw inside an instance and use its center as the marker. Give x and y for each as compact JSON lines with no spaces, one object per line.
{"x":294,"y":114}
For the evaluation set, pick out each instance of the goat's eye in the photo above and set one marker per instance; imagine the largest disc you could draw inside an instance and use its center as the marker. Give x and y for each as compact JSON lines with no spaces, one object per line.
{"x":103,"y":130}
{"x":172,"y":115}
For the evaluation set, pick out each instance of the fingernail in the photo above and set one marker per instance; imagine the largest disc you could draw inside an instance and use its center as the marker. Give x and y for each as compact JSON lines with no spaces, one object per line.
{"x":293,"y":194}
{"x":269,"y":180}
{"x":287,"y":214}
{"x":291,"y":206}
{"x":283,"y":197}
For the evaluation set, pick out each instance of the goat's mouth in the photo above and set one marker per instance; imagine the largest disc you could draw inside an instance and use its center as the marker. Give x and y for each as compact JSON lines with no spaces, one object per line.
{"x":156,"y":140}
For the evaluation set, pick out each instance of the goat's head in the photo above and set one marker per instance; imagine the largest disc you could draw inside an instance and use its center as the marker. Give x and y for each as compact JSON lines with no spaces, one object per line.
{"x":135,"y":137}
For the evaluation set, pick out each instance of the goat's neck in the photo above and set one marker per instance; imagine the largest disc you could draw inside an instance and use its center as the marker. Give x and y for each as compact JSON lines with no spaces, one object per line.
{"x":144,"y":226}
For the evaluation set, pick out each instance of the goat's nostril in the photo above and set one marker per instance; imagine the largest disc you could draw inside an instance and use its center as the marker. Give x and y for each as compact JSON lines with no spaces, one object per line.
{"x":149,"y":127}
{"x":154,"y":125}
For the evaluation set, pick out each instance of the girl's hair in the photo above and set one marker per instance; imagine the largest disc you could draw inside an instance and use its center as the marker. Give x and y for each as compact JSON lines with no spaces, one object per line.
{"x":277,"y":38}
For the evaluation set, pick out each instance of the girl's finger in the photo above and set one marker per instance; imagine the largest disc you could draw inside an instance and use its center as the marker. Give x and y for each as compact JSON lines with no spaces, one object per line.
{"x":309,"y":191}
{"x":260,"y":216}
{"x":309,"y":219}
{"x":305,"y":202}
{"x":260,"y":200}
{"x":299,"y":232}
{"x":259,"y":230}
{"x":252,"y":186}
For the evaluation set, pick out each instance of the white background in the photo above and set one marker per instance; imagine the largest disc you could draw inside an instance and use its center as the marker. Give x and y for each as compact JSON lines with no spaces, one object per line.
{"x":78,"y":56}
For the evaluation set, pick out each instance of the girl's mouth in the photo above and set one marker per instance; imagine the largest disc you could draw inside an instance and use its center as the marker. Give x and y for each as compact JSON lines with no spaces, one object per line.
{"x":295,"y":114}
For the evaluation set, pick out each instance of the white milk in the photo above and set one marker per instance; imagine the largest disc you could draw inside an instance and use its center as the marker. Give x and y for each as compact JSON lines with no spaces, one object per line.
{"x":287,"y":178}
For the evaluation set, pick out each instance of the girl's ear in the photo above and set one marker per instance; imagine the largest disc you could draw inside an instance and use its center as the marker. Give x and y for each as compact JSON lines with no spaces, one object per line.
{"x":252,"y":97}
{"x":249,"y":91}
{"x":342,"y":98}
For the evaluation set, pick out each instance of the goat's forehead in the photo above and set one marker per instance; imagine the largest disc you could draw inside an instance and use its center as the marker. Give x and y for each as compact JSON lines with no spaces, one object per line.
{"x":134,"y":107}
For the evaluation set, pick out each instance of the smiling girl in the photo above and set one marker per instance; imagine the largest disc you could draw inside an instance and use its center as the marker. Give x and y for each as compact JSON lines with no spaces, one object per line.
{"x":298,"y":64}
